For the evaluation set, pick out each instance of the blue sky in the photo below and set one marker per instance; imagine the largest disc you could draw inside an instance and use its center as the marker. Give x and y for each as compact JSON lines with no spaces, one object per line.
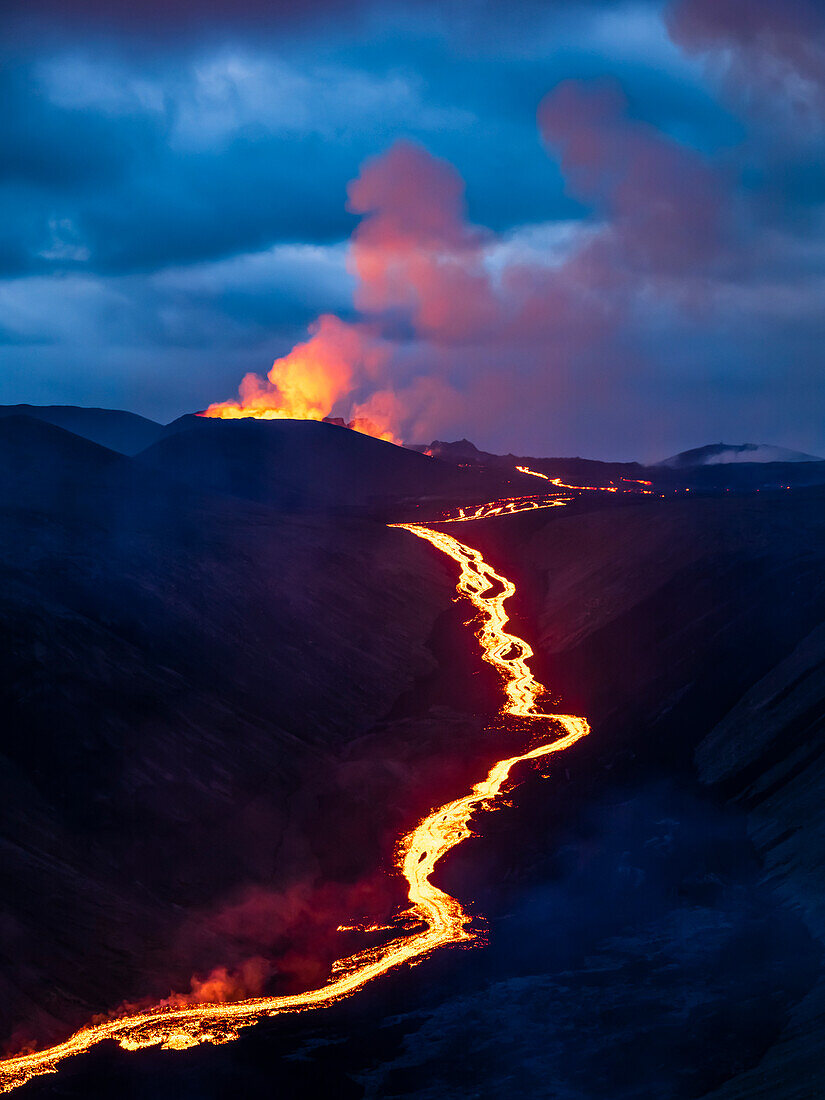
{"x":174,"y":182}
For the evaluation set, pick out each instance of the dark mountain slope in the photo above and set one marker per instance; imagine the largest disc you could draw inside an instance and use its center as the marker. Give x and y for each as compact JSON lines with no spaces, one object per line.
{"x":651,"y":935}
{"x":307,"y":464}
{"x":179,"y":677}
{"x":768,"y":756}
{"x":39,"y":458}
{"x":121,"y":431}
{"x":688,"y":470}
{"x":654,"y":924}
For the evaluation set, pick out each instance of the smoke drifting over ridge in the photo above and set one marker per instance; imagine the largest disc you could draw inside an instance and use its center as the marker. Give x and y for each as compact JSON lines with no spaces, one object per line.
{"x":444,"y":308}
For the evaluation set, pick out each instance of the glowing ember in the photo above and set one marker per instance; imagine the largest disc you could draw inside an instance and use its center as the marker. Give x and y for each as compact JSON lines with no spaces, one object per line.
{"x":437,"y":919}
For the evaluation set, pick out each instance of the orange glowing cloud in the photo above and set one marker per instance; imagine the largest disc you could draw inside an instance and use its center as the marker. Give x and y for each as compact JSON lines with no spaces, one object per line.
{"x":451,"y":329}
{"x":223,"y":985}
{"x":415,"y":249}
{"x":307,"y":383}
{"x":414,"y":252}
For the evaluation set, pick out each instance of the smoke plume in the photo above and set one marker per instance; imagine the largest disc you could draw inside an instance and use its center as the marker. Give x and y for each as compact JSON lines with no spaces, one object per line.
{"x":448,"y":308}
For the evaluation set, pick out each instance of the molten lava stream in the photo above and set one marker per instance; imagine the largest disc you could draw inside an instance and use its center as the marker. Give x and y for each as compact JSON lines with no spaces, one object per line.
{"x":441,"y":919}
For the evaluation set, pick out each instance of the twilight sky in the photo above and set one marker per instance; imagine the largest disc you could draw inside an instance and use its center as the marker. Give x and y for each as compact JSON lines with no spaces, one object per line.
{"x":554,"y":228}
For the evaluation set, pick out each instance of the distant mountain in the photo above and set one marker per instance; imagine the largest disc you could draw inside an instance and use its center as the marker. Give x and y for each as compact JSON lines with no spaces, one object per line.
{"x":121,"y":431}
{"x":717,"y":468}
{"x":581,"y":471}
{"x":178,"y":676}
{"x":461,"y":450}
{"x":43,"y":463}
{"x":717,"y":454}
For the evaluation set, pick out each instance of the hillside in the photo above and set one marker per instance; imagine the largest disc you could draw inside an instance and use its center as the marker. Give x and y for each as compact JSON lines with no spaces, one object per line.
{"x":714,"y":469}
{"x":121,"y":431}
{"x":181,"y":677}
{"x":254,"y":700}
{"x":306,"y":464}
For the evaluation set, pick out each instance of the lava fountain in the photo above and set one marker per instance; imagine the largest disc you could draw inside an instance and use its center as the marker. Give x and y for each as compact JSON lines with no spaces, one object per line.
{"x":312,"y":379}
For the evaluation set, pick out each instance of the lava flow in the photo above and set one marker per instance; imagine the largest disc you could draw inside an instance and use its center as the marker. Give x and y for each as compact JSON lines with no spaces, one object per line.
{"x":532,"y":473}
{"x":508,"y":506}
{"x":437,"y":918}
{"x":557,"y":481}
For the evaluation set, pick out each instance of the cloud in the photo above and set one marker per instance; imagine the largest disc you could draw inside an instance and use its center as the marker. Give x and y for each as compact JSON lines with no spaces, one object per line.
{"x":665,"y":207}
{"x":156,"y":19}
{"x":193,"y":157}
{"x":772,"y":54}
{"x":290,"y":936}
{"x":174,"y":191}
{"x":418,"y":260}
{"x":208,"y":101}
{"x":414,"y":249}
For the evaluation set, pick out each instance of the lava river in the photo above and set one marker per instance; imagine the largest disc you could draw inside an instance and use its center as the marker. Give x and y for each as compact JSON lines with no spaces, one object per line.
{"x":433,"y":918}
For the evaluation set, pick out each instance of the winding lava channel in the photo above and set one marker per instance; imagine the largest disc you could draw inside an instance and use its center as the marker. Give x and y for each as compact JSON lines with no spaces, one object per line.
{"x":436,"y":918}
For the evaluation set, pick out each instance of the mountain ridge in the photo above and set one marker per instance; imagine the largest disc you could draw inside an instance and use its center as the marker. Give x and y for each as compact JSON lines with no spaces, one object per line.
{"x":713,"y":454}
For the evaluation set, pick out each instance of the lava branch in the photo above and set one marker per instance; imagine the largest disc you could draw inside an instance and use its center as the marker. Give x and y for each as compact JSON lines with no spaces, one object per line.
{"x":508,"y":506}
{"x":443,"y":918}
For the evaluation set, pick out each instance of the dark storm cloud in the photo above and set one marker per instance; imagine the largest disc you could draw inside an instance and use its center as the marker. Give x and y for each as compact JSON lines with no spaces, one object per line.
{"x":139,"y":203}
{"x":158,"y":19}
{"x":764,"y":48}
{"x":174,"y":177}
{"x":196,"y":155}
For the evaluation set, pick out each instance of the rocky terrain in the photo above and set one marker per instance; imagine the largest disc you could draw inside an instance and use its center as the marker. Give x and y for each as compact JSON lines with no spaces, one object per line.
{"x":225,"y":699}
{"x":180,"y":676}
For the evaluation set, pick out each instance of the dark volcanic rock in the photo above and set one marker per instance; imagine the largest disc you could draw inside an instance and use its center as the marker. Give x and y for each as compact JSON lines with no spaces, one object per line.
{"x":220,"y":709}
{"x":180,"y":677}
{"x":768,"y":755}
{"x":306,"y":465}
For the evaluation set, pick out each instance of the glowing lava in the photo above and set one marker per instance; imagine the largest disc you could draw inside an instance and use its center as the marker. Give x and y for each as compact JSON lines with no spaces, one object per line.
{"x":508,"y":506}
{"x":602,"y":488}
{"x":437,"y":919}
{"x":532,"y":473}
{"x":591,"y":488}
